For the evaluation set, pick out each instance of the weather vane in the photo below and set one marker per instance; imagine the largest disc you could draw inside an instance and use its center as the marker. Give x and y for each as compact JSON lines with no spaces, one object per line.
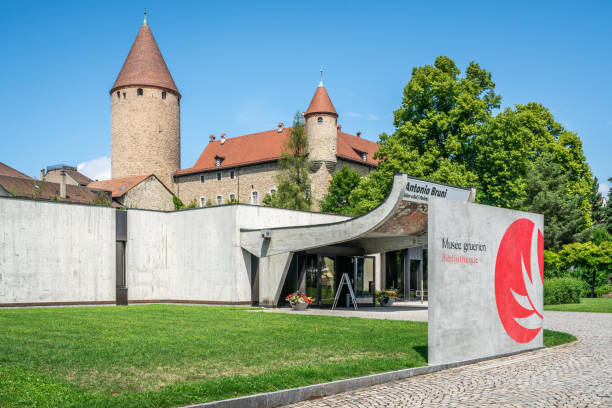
{"x":321,"y":77}
{"x":145,"y":17}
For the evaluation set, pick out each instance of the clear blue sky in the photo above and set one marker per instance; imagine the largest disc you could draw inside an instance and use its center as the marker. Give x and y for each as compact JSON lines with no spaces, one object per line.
{"x":244,"y":66}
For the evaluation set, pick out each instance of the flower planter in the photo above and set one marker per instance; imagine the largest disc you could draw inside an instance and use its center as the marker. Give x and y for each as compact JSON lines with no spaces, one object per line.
{"x":387,"y":302}
{"x":299,"y":307}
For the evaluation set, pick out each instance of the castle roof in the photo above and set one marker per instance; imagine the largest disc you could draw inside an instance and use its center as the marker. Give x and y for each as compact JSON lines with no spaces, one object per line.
{"x":9,"y":171}
{"x":321,"y":103}
{"x":145,"y":65}
{"x":267,"y":146}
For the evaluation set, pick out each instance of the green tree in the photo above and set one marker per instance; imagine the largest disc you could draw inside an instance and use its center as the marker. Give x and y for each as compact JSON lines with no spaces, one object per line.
{"x":608,"y":210}
{"x":548,"y":193}
{"x":340,"y":187}
{"x":440,"y":115}
{"x":293,"y":189}
{"x":589,"y":262}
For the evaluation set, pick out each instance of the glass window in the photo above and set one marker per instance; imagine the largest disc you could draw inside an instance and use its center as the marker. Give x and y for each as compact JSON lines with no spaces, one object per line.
{"x":202,"y":201}
{"x":320,"y":120}
{"x":118,"y":95}
{"x":140,"y":92}
{"x":202,"y":178}
{"x":232,"y":198}
{"x":218,"y":175}
{"x":163,"y":95}
{"x":218,"y":162}
{"x":364,"y":156}
{"x":272,"y":191}
{"x":254,"y":198}
{"x":219,"y":200}
{"x":232,"y":174}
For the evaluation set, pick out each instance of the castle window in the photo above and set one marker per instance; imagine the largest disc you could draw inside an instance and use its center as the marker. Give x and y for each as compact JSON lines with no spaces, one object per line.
{"x":254,"y":198}
{"x":272,"y":191}
{"x":202,"y":178}
{"x":364,"y":156}
{"x":320,"y":120}
{"x":202,"y":201}
{"x":232,"y":174}
{"x":139,"y":92}
{"x":218,"y":161}
{"x":124,"y":95}
{"x":218,"y":175}
{"x":219,"y":200}
{"x":118,"y":95}
{"x":164,"y":95}
{"x":232,"y":198}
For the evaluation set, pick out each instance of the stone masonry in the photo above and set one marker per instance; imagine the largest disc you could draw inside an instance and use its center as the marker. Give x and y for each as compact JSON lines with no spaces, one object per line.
{"x":145,"y":133}
{"x":149,"y":194}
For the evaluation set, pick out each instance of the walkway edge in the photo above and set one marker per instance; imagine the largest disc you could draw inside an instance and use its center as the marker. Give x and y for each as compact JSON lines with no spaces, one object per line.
{"x":293,"y":395}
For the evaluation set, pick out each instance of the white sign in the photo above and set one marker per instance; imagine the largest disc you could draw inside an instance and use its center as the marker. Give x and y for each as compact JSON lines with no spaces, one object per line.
{"x":420,"y":191}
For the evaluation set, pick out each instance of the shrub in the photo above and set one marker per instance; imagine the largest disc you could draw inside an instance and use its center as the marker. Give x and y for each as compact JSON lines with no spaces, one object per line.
{"x":603,"y":290}
{"x":562,"y":290}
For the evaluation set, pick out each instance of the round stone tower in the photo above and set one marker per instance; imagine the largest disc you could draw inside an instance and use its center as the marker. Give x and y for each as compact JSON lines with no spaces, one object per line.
{"x":321,"y":125}
{"x":145,"y":114}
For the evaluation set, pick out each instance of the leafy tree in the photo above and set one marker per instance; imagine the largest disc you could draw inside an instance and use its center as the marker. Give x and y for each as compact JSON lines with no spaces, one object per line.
{"x":293,"y":189}
{"x":440,"y":115}
{"x":595,"y":199}
{"x":178,"y":204}
{"x":340,"y":188}
{"x":589,"y":262}
{"x":548,"y":193}
{"x":102,"y":199}
{"x":608,"y":210}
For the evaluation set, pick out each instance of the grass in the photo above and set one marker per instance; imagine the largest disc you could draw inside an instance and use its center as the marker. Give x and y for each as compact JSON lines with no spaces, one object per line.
{"x":168,"y":355}
{"x":597,"y":305}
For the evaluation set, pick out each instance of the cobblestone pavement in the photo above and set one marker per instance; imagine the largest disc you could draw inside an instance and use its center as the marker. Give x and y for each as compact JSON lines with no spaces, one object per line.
{"x":572,"y":375}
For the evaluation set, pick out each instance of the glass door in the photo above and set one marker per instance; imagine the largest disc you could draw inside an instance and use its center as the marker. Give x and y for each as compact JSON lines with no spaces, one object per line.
{"x":364,"y":280}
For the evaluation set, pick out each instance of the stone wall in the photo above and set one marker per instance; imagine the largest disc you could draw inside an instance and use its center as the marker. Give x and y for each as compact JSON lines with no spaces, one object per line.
{"x":145,"y":133}
{"x":149,"y":194}
{"x":258,"y":177}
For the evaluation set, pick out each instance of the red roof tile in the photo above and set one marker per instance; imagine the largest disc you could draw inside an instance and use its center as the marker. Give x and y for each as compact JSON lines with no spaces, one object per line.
{"x":321,"y":103}
{"x":145,"y":65}
{"x":9,"y":171}
{"x":79,"y":177}
{"x":119,"y":186}
{"x":267,"y":146}
{"x":28,"y":187}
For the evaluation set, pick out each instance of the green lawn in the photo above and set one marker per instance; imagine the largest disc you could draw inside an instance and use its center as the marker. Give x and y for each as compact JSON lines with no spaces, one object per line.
{"x":169,"y":355}
{"x":554,"y":338}
{"x":598,"y":305}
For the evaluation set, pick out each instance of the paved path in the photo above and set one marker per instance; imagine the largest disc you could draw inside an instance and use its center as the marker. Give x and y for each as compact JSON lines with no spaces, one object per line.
{"x":573,"y":375}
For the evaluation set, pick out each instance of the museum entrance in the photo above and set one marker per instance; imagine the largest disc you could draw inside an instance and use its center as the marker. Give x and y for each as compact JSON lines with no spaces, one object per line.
{"x":406,"y":272}
{"x":318,"y":276}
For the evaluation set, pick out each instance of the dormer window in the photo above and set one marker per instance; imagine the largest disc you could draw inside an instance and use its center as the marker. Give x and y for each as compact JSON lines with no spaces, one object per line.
{"x":218,"y":161}
{"x":364,"y":156}
{"x":320,"y":120}
{"x":139,"y":92}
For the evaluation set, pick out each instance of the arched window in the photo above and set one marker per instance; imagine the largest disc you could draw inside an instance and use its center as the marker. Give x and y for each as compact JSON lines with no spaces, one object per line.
{"x":139,"y":92}
{"x":254,"y":198}
{"x":118,"y":95}
{"x":320,"y":120}
{"x":164,"y":95}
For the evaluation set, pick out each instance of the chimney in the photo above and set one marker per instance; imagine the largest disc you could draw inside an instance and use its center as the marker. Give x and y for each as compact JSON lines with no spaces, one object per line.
{"x":222,"y":138}
{"x":63,"y":184}
{"x":212,"y":138}
{"x":42,"y":174}
{"x":358,"y":133}
{"x":339,"y":128}
{"x":280,"y":127}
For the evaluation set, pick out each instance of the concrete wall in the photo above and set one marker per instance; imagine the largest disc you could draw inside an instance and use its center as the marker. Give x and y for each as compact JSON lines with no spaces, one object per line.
{"x":56,"y":252}
{"x":472,"y":311}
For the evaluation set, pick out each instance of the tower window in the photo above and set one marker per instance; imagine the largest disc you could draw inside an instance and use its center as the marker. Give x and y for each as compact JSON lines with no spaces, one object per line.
{"x":163,"y":95}
{"x":118,"y":95}
{"x":139,"y":92}
{"x":202,"y":178}
{"x":254,"y":198}
{"x":232,"y":174}
{"x":218,"y":175}
{"x":219,"y":200}
{"x":124,"y":95}
{"x":320,"y":120}
{"x":202,"y":201}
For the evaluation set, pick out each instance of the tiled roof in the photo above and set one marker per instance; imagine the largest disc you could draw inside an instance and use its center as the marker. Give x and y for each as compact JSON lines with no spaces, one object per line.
{"x":321,"y":103}
{"x":79,"y":177}
{"x":9,"y":171}
{"x":267,"y":146}
{"x":22,"y":187}
{"x":145,"y":65}
{"x":119,"y":186}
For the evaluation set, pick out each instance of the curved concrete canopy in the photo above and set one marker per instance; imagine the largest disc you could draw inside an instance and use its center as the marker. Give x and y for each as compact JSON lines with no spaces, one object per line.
{"x":387,"y":227}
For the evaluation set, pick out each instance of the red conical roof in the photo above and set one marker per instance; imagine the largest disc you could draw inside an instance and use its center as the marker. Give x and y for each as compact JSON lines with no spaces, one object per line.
{"x":145,"y":65}
{"x":321,"y":103}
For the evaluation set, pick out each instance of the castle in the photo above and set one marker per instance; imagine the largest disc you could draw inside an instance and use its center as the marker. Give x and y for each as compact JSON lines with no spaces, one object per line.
{"x":146,"y":139}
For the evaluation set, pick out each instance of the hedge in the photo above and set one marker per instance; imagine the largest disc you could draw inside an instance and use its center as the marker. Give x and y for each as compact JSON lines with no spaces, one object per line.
{"x":562,"y":290}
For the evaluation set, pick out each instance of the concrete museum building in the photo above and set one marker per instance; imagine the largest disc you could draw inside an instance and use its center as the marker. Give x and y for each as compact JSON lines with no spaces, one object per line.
{"x":482,"y":267}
